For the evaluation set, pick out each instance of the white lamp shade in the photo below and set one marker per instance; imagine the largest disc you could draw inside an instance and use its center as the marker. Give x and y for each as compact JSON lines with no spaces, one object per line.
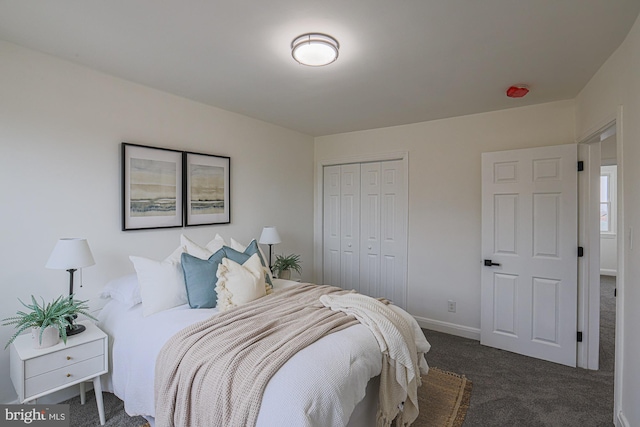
{"x":70,"y":253}
{"x":269,"y":236}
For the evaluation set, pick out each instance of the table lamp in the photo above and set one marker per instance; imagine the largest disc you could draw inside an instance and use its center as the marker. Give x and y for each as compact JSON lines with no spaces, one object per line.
{"x":71,"y":254}
{"x":269,"y":237}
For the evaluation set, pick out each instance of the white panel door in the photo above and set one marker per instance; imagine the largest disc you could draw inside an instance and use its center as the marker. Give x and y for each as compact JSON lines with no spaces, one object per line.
{"x":331,"y":224}
{"x":370,"y":211}
{"x":529,"y":234}
{"x":350,"y":227}
{"x":383,"y":231}
{"x":393,"y":233}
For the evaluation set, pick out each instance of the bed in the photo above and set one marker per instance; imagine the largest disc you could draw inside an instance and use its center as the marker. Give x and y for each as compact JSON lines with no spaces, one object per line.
{"x":332,"y":382}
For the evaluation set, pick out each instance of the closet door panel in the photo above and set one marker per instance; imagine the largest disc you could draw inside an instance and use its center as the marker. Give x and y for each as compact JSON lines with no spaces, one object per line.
{"x":393,"y":244}
{"x":331,"y":226}
{"x":370,"y":229}
{"x":350,"y":226}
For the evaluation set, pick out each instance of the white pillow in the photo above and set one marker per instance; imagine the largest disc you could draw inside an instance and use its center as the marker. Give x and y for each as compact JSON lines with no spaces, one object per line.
{"x":236,"y":245}
{"x":240,"y":284}
{"x":125,"y":289}
{"x":241,"y":248}
{"x":161,"y":284}
{"x":216,"y":244}
{"x":175,"y":255}
{"x":192,"y":248}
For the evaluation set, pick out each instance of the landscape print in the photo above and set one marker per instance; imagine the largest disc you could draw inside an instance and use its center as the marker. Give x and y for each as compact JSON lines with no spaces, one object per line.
{"x":207,"y":189}
{"x":152,"y":188}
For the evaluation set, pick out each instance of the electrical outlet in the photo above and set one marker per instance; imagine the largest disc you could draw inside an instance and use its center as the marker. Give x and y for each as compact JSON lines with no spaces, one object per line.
{"x":452,"y":306}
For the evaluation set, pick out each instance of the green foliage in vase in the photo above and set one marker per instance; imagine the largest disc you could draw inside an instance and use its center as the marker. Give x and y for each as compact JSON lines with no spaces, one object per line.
{"x":288,"y":262}
{"x":59,"y":314}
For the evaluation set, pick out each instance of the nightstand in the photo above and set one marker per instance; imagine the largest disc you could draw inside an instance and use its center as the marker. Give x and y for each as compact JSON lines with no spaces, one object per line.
{"x":38,"y":372}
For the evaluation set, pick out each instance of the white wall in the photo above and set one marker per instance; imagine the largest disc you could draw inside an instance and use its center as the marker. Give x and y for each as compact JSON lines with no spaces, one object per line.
{"x":445,"y":197}
{"x":608,"y":254}
{"x":61,"y":126}
{"x":615,"y":91}
{"x":608,"y":153}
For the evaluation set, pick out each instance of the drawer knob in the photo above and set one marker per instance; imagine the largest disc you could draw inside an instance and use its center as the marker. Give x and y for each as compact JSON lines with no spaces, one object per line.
{"x":68,"y":357}
{"x":68,"y":375}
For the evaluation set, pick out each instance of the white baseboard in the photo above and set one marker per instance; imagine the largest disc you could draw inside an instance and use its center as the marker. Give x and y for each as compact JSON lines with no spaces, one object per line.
{"x":449,"y":328}
{"x":621,"y":420}
{"x":607,"y":272}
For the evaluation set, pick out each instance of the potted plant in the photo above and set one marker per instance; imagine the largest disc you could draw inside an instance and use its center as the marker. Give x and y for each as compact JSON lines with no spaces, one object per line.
{"x":48,"y":322}
{"x":284,"y":264}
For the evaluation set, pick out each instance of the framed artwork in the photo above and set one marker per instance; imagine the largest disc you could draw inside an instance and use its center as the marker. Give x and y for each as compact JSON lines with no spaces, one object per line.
{"x":207,"y":189}
{"x":152,"y":189}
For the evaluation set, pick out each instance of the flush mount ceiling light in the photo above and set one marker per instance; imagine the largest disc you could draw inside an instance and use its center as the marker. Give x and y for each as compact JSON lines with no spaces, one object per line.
{"x":315,"y":49}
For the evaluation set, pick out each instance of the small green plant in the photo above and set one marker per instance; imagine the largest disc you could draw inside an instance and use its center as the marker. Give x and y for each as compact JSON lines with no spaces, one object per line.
{"x":59,"y":313}
{"x":287,"y":263}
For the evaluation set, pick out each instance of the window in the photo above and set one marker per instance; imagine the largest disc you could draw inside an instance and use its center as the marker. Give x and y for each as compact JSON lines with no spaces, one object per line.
{"x":607,"y":199}
{"x":605,"y":204}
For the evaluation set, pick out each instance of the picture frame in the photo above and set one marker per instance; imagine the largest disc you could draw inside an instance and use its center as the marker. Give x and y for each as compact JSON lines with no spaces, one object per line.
{"x":207,"y":189}
{"x":152,"y":187}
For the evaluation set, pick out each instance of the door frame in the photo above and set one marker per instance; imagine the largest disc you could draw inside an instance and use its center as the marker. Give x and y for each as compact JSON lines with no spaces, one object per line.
{"x":623,"y":238}
{"x":589,"y":266}
{"x":318,"y":248}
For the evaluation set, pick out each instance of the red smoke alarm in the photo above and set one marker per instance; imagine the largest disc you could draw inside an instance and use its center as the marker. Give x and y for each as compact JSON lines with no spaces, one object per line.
{"x":517,"y":91}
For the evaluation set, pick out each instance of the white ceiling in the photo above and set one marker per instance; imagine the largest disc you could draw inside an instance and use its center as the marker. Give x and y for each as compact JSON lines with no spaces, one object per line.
{"x":401,"y":61}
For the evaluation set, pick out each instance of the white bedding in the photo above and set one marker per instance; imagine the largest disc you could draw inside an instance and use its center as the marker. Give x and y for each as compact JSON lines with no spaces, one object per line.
{"x":318,"y":387}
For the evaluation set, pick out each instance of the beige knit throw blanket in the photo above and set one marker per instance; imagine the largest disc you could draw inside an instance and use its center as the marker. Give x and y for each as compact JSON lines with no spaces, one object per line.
{"x":400,"y":377}
{"x":214,"y":372}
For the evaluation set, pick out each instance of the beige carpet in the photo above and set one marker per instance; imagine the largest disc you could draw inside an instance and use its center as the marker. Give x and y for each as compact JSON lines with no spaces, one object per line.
{"x":443,"y":398}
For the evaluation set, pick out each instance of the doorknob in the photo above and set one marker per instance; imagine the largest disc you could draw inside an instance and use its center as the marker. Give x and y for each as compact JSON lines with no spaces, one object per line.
{"x":489,"y":263}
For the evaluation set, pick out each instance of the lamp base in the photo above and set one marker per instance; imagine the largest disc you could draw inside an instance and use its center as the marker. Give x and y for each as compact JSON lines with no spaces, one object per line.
{"x":75,"y":329}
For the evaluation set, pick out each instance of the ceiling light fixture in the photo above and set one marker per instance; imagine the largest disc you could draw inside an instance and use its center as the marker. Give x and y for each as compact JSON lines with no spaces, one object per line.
{"x":315,"y":49}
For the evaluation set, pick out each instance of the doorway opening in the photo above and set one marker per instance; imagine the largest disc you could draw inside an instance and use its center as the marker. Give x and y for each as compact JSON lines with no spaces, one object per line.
{"x":598,"y":230}
{"x":608,"y":249}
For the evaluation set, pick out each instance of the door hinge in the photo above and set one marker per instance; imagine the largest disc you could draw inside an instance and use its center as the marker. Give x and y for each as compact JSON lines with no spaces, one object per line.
{"x":579,"y":336}
{"x":615,"y":292}
{"x":580,"y":251}
{"x":580,"y":166}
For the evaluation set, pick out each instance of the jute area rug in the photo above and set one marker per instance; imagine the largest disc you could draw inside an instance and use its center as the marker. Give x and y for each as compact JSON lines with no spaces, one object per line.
{"x":443,"y":397}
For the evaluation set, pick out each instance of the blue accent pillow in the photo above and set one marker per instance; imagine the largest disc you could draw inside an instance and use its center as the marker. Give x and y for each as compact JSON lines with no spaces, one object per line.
{"x":200,"y":279}
{"x":242,"y":257}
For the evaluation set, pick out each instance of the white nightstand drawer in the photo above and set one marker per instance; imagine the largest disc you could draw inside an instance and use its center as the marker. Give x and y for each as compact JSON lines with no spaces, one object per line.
{"x":62,"y":376}
{"x":66,"y":357}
